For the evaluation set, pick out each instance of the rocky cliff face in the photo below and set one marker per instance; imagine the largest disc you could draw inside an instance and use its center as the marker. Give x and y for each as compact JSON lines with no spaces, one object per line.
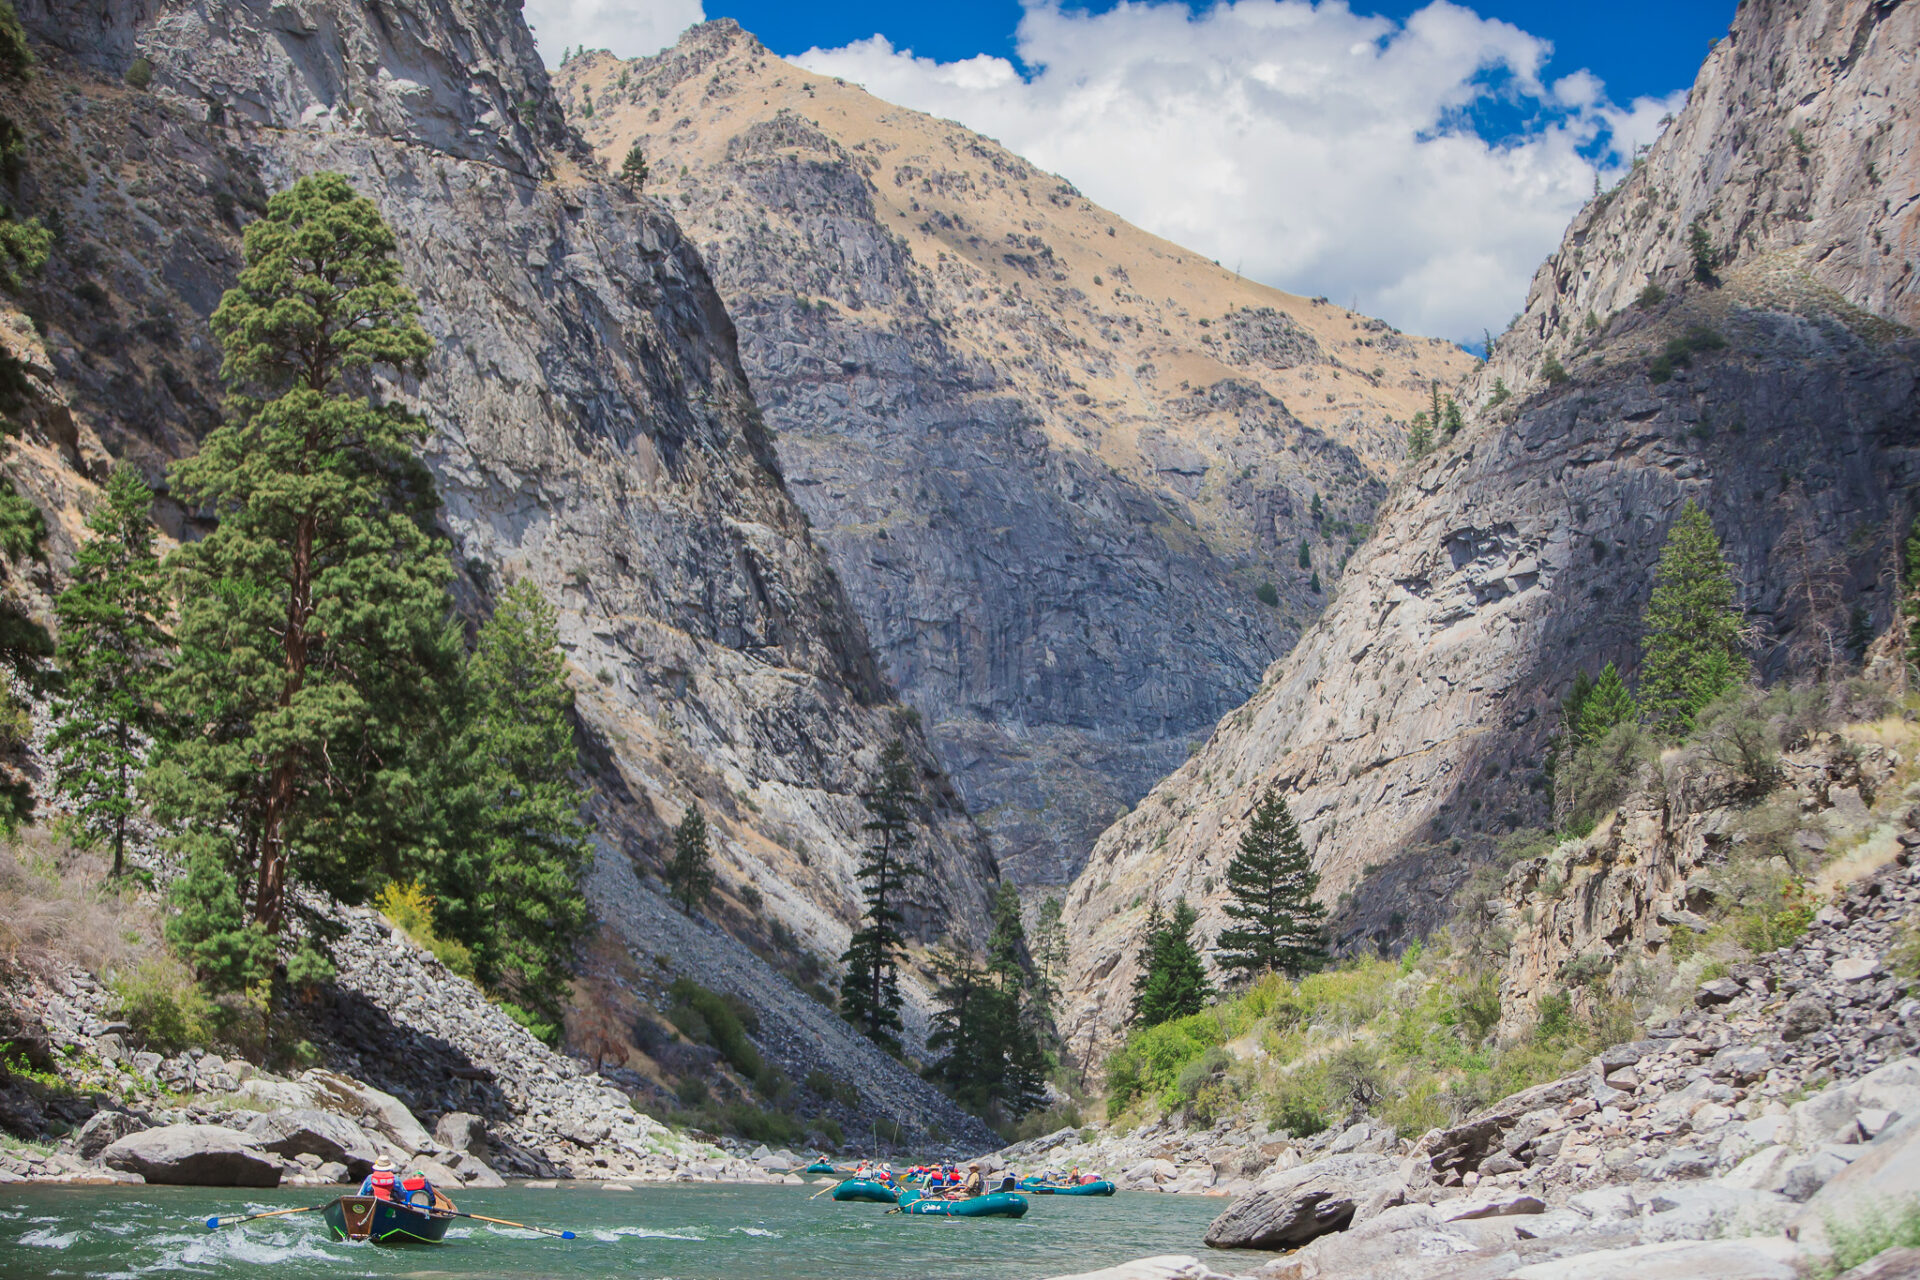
{"x":1408,"y":728}
{"x":1054,"y":459}
{"x":592,"y":429}
{"x":1797,"y":139}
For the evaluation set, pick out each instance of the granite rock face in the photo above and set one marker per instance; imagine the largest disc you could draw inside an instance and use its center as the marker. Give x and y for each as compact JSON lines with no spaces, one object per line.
{"x":1797,"y":139}
{"x":1054,"y":459}
{"x":1408,"y":729}
{"x":592,"y":429}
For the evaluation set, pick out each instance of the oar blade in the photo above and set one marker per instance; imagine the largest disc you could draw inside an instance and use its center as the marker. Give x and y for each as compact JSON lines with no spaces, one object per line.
{"x":567,"y":1235}
{"x":213,"y":1224}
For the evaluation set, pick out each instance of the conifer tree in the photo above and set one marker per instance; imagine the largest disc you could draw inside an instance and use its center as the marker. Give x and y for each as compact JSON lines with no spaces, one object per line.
{"x":690,"y":873}
{"x":510,"y":888}
{"x":1451,"y":420}
{"x":315,"y":647}
{"x":1049,"y":954}
{"x":1014,"y":1033}
{"x":633,"y":170}
{"x":1173,"y":983}
{"x":111,"y":657}
{"x":1692,"y":646}
{"x":210,"y":930}
{"x":988,"y":1024}
{"x":1419,"y":437}
{"x":957,"y":1026}
{"x":870,"y":991}
{"x":1608,"y":703}
{"x":1271,"y":881}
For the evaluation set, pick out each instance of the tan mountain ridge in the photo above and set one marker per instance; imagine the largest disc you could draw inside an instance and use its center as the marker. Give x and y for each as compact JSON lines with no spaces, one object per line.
{"x":1409,"y":728}
{"x":1058,"y":461}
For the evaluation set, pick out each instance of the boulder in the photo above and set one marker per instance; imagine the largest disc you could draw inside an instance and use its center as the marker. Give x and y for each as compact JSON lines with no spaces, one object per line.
{"x":315,"y":1133}
{"x":1463,"y":1147}
{"x":1299,"y":1205}
{"x":1884,"y":1170}
{"x":1489,"y":1207}
{"x":1762,"y":1258}
{"x":103,"y":1129}
{"x":1894,"y":1264}
{"x":474,"y":1171}
{"x":1718,"y":991}
{"x":462,"y":1131}
{"x":350,"y":1098}
{"x":193,"y":1155}
{"x":1804,"y":1015}
{"x":26,"y":1039}
{"x":1741,"y":1063}
{"x":1172,"y":1266}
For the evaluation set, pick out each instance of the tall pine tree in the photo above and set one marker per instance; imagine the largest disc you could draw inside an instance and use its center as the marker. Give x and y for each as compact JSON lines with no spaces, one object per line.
{"x":870,"y":991}
{"x":1692,"y":646}
{"x":1280,"y":929}
{"x":510,"y":885}
{"x":315,"y":647}
{"x":988,"y":1023}
{"x":1173,"y":980}
{"x":690,"y":872}
{"x":112,"y":654}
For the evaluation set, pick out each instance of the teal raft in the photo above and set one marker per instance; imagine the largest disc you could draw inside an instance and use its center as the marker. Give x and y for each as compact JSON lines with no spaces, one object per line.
{"x":1038,"y":1188}
{"x":861,"y":1189}
{"x":997,"y":1204}
{"x":821,"y":1166}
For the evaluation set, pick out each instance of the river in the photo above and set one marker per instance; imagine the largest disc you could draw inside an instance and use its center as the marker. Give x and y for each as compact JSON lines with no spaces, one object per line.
{"x":671,"y":1232}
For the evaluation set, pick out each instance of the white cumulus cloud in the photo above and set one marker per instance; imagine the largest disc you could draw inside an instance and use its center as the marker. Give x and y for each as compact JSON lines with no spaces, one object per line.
{"x":629,"y":28}
{"x":1319,"y":150}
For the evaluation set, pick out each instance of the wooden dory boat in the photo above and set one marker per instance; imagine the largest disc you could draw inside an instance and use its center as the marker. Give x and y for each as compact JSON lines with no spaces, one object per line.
{"x":995,"y":1204}
{"x":388,"y":1222}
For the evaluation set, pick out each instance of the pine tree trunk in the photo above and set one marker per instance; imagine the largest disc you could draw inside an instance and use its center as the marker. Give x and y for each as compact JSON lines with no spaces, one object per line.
{"x":270,"y":893}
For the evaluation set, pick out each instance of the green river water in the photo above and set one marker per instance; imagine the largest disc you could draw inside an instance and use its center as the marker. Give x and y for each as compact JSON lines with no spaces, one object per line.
{"x":674,"y":1232}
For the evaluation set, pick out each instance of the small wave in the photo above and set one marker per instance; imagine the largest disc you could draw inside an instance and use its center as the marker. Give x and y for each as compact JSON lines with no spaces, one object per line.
{"x":615,"y":1233}
{"x":759,"y":1231}
{"x":48,"y":1238}
{"x":239,"y":1246}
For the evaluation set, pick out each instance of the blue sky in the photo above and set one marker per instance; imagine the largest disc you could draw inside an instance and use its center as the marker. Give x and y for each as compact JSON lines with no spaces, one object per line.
{"x":1416,"y":160}
{"x":1638,"y":47}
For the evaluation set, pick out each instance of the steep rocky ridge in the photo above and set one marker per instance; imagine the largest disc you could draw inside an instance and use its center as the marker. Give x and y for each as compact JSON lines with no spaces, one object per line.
{"x":1798,"y":137}
{"x":1408,"y":728}
{"x":592,"y":429}
{"x":1053,"y":458}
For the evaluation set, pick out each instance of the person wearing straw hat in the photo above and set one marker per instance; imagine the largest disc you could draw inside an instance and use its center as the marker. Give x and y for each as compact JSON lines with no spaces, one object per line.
{"x":380,"y":1184}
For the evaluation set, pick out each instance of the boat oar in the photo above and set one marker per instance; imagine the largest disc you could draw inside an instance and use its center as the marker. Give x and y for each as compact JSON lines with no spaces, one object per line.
{"x":545,"y":1231}
{"x":822,"y":1191}
{"x":215,"y":1223}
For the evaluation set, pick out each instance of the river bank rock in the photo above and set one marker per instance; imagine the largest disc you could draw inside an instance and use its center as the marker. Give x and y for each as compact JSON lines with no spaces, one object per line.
{"x":194,"y":1155}
{"x":330,"y":1137}
{"x":1295,"y":1206}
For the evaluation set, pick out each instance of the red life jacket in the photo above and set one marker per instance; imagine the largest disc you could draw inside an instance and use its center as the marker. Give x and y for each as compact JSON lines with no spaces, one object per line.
{"x":415,"y":1186}
{"x":382,"y":1184}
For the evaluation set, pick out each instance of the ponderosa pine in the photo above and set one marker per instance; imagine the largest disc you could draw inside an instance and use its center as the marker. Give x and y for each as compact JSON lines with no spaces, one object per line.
{"x":315,"y":651}
{"x":690,"y":871}
{"x":1172,"y":982}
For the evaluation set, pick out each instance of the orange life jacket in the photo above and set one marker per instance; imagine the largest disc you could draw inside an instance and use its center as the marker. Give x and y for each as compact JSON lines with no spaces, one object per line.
{"x":382,"y":1184}
{"x":415,"y":1186}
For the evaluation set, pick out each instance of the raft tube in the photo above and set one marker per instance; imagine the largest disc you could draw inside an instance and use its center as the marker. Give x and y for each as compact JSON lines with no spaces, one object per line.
{"x":996,"y":1204}
{"x":861,"y":1189}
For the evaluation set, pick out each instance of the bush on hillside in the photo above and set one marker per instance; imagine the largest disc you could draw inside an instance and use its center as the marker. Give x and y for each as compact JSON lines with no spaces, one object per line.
{"x":724,"y":1022}
{"x":165,"y":1007}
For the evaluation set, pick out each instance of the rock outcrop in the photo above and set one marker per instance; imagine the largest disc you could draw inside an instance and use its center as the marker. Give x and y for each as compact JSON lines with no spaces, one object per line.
{"x":591,"y":427}
{"x":1053,"y":458}
{"x":1408,"y":729}
{"x":1797,"y":139}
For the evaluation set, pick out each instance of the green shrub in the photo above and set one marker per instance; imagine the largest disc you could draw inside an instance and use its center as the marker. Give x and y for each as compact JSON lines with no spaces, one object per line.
{"x":140,"y":73}
{"x":1553,"y":1018}
{"x":1299,"y":1103}
{"x":1553,"y":372}
{"x":165,"y":1007}
{"x":707,"y":1017}
{"x":1266,"y":593}
{"x":1878,"y":1228}
{"x":1651,"y":296}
